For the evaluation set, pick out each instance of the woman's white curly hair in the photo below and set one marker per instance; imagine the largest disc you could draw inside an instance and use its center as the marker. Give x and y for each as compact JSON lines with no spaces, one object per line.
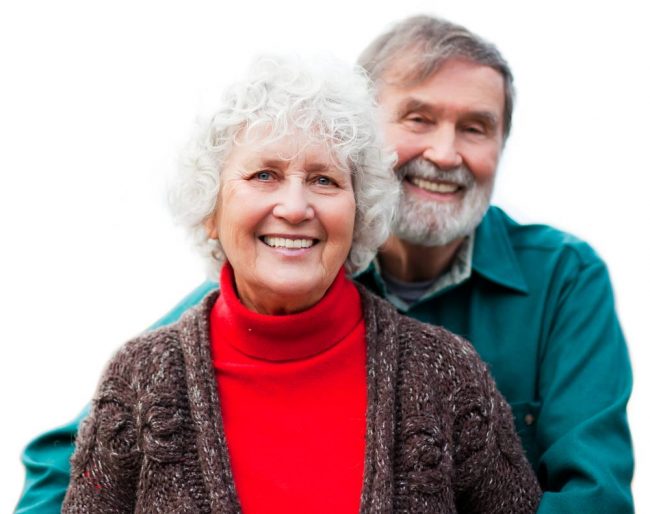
{"x":321,"y":100}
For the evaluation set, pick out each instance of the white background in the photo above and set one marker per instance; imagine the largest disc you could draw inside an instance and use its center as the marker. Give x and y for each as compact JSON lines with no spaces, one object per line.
{"x":96,"y":99}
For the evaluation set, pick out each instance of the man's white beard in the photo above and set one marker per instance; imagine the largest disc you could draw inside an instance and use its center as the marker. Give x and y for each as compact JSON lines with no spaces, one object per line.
{"x":430,"y":223}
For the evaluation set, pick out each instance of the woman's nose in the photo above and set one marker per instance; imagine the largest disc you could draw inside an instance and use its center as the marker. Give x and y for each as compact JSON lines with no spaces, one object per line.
{"x":293,"y":203}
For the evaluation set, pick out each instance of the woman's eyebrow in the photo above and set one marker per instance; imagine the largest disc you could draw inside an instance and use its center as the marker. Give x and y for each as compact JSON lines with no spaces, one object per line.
{"x":272,"y":163}
{"x":318,"y":166}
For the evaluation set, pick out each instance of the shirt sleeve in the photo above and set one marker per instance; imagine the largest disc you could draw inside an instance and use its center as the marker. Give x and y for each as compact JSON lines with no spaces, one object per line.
{"x":47,"y":469}
{"x":47,"y":457}
{"x":585,"y":381}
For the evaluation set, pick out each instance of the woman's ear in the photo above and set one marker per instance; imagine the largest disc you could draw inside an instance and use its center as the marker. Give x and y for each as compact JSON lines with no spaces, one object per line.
{"x":211,"y":226}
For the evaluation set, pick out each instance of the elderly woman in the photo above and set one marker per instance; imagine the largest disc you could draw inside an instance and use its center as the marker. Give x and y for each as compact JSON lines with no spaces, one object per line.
{"x":291,"y":389}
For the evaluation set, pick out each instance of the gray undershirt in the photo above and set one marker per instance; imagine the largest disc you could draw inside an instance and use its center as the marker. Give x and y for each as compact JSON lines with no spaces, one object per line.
{"x":403,"y":294}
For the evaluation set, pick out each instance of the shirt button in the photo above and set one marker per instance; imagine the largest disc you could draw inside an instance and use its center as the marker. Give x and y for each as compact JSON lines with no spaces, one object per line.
{"x":529,"y":419}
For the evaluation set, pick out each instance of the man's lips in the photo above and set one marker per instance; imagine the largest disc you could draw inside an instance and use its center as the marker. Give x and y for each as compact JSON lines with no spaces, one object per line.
{"x":435,"y":186}
{"x":289,"y":242}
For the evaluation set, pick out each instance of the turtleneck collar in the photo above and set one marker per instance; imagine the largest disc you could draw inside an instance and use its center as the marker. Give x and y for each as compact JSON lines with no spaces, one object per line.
{"x":288,"y":337}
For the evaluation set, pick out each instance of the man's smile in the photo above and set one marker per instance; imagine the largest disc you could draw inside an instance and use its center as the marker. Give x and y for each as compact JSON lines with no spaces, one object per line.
{"x":434,"y":186}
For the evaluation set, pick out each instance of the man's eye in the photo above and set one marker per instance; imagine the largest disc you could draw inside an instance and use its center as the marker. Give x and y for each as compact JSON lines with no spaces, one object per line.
{"x":414,"y":118}
{"x":474,"y":129}
{"x":417,"y":123}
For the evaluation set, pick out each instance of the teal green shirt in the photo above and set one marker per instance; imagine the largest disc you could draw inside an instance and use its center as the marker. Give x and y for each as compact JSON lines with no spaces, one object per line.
{"x":539,"y":308}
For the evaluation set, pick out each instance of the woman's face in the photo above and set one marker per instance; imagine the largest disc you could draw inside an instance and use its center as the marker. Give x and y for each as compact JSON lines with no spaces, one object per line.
{"x":285,"y":218}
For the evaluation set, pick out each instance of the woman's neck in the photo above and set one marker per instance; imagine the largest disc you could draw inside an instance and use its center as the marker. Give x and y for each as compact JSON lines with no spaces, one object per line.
{"x":290,"y":336}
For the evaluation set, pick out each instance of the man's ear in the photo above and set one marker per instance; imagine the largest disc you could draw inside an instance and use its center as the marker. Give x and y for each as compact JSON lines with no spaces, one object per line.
{"x":210,"y":225}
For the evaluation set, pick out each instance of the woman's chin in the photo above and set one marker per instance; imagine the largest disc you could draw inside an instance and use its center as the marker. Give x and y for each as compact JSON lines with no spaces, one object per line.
{"x":281,"y":287}
{"x":283,"y":296}
{"x":301,"y":295}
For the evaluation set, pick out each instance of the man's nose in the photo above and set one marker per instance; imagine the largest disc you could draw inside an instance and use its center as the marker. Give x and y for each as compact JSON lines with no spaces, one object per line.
{"x":441,"y":149}
{"x":293,"y":204}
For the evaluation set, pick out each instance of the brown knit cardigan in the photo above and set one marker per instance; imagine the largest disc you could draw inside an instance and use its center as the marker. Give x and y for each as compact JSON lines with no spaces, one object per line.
{"x":439,"y":438}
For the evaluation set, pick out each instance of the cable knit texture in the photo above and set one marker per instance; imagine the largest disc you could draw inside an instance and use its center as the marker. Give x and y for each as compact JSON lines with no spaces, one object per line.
{"x":439,"y":439}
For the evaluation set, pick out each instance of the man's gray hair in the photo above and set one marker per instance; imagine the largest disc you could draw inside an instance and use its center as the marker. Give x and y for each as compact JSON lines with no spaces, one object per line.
{"x":321,"y":101}
{"x":419,"y":45}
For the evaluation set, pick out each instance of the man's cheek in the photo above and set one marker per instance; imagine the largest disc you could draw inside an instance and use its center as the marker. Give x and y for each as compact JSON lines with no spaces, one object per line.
{"x":483,"y":165}
{"x":408,"y":149}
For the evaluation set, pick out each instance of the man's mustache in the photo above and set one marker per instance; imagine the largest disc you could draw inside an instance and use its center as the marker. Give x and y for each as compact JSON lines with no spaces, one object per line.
{"x":424,"y":169}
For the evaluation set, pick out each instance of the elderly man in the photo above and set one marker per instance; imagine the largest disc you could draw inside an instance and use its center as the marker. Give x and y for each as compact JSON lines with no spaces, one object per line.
{"x":536,"y":303}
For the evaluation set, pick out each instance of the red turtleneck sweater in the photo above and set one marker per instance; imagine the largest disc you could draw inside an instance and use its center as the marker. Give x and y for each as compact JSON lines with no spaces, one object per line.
{"x":293,"y":401}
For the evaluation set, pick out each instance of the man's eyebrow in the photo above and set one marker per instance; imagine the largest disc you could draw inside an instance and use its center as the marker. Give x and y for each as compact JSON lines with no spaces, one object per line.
{"x":410,"y":105}
{"x":488,"y":118}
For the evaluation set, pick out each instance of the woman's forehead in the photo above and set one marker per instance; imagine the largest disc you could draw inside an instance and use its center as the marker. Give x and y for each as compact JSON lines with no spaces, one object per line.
{"x":309,"y":147}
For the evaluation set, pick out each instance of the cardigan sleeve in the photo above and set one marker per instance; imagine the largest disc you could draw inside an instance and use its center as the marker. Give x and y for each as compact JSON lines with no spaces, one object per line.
{"x":105,"y":465}
{"x":492,"y":474}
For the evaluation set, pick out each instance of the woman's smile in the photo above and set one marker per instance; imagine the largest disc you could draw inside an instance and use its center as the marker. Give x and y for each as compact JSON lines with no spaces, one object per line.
{"x":289,"y":242}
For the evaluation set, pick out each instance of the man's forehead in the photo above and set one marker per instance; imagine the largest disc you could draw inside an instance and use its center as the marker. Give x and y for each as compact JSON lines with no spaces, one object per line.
{"x":468,"y":84}
{"x":405,"y":72}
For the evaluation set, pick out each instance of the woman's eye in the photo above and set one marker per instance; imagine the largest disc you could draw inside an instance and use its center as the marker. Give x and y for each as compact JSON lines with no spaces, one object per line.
{"x":324,"y":181}
{"x":264,"y":176}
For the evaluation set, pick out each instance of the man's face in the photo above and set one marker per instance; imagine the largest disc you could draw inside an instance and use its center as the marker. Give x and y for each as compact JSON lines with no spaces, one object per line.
{"x":448,"y":134}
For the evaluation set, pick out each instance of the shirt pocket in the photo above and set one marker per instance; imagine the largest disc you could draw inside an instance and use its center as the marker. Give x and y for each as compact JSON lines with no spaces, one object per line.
{"x":526,"y":416}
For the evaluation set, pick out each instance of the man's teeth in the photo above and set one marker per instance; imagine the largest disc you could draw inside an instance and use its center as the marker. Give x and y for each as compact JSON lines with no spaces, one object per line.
{"x":435,"y":187}
{"x":281,"y":242}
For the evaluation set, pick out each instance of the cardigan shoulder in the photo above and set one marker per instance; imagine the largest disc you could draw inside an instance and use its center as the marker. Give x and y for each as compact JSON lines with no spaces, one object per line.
{"x":143,"y":371}
{"x":147,"y":358}
{"x":450,"y":357}
{"x":137,"y":358}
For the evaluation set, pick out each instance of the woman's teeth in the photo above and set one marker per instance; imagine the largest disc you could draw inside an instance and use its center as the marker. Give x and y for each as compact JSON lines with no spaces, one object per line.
{"x":281,"y":242}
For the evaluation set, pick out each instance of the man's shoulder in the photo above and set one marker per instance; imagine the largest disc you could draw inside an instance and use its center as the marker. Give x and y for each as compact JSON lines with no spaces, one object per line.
{"x":542,"y":240}
{"x":189,"y":301}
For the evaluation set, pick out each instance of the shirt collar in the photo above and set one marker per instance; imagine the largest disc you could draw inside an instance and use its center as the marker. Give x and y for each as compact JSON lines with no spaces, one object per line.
{"x":494,"y":258}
